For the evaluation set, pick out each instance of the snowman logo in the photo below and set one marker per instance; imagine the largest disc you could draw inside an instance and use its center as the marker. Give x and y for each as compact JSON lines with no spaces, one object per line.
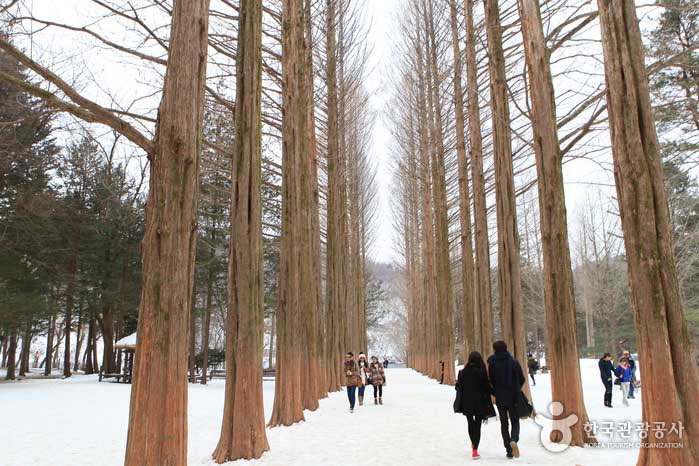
{"x":548,"y":425}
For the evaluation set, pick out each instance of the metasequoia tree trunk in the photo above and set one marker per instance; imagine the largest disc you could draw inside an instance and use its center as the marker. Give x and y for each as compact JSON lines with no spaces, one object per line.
{"x":11,"y":353}
{"x":483,"y":313}
{"x":563,"y":360}
{"x":348,"y":316}
{"x":206,"y":326}
{"x":106,"y":324}
{"x":445,"y":310}
{"x":5,"y":342}
{"x":70,"y":298}
{"x":509,"y":277}
{"x":56,"y":353}
{"x":469,"y":321}
{"x":122,"y":303}
{"x":67,"y":329}
{"x":670,"y":388}
{"x":158,"y":414}
{"x":26,"y":348}
{"x":48,"y":359}
{"x":291,"y":341}
{"x":93,"y":354}
{"x":191,"y":344}
{"x":88,"y":366}
{"x":415,"y":310}
{"x":243,"y":432}
{"x":336,"y":243}
{"x":272,"y":333}
{"x":316,"y":373}
{"x":79,"y":337}
{"x":430,"y":365}
{"x":6,"y":337}
{"x":355,"y":226}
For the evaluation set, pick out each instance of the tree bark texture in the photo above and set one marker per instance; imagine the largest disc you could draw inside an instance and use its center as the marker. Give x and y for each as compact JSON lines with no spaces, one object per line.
{"x":467,"y":279}
{"x":296,"y":275}
{"x":670,"y":388}
{"x":559,"y":301}
{"x":509,"y":274}
{"x":157,"y":432}
{"x":336,"y":233}
{"x":484,"y":312}
{"x":243,"y":434}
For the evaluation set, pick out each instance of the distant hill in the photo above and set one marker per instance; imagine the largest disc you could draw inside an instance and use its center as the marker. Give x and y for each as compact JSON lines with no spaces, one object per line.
{"x":383,"y":271}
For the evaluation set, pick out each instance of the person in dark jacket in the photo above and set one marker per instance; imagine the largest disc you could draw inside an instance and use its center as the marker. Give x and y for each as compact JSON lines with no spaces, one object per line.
{"x":606,"y":369}
{"x":632,"y":365}
{"x":533,"y":365}
{"x":507,"y":379}
{"x":474,"y":390}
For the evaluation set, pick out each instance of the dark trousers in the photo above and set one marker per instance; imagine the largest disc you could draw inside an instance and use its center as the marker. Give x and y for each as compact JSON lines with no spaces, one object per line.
{"x":608,"y":385}
{"x":508,"y":436}
{"x":474,"y":429}
{"x":378,"y":388}
{"x":361,"y":391}
{"x":531,"y":374}
{"x":631,"y":387}
{"x":351,"y":391}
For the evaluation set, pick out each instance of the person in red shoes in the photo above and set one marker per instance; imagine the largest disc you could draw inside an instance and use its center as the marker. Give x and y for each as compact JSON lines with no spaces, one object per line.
{"x":473,"y":398}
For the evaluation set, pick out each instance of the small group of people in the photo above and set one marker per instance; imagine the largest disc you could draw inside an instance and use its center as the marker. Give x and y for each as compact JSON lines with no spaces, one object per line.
{"x":359,"y":374}
{"x":503,"y":379}
{"x":625,"y":373}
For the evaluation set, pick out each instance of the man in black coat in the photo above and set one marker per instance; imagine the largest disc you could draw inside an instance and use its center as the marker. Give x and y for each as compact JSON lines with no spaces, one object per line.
{"x":606,"y":369}
{"x":632,"y":365}
{"x":507,"y":379}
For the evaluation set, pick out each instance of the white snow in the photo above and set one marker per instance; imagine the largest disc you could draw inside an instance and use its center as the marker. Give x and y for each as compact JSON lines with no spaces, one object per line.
{"x":79,"y":421}
{"x":128,"y":341}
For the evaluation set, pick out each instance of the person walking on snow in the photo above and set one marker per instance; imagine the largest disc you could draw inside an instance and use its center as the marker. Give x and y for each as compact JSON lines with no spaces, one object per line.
{"x":352,"y":378}
{"x":473,"y":389}
{"x":632,"y":365}
{"x":533,"y":365}
{"x":363,"y":367}
{"x":606,"y":369}
{"x":377,"y":378}
{"x":623,"y":371}
{"x":507,"y":379}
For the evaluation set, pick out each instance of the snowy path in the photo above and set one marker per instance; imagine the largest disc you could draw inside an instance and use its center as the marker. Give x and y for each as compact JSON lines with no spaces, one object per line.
{"x":79,"y":422}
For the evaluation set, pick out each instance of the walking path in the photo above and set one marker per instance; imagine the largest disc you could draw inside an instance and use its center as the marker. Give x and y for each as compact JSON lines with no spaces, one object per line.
{"x":82,"y":422}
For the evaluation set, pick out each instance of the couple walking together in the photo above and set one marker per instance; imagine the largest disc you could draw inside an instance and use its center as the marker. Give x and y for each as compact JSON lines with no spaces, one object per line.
{"x":504,"y":379}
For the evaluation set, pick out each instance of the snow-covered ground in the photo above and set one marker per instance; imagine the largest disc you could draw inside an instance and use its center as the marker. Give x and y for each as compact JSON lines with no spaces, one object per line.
{"x":80,"y":422}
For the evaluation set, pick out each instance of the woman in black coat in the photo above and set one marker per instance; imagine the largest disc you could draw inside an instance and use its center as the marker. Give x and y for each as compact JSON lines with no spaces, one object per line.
{"x":473,"y":397}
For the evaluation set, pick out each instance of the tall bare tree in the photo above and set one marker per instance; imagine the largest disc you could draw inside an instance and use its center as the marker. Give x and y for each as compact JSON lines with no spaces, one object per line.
{"x":509,"y":275}
{"x":159,"y":384}
{"x":563,"y":358}
{"x":661,"y":329}
{"x":470,"y":322}
{"x":243,"y":432}
{"x":483,"y":311}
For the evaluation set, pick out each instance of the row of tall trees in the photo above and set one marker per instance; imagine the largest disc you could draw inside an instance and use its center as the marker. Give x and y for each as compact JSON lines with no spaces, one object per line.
{"x":289,"y":125}
{"x":431,"y":329}
{"x":508,"y":35}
